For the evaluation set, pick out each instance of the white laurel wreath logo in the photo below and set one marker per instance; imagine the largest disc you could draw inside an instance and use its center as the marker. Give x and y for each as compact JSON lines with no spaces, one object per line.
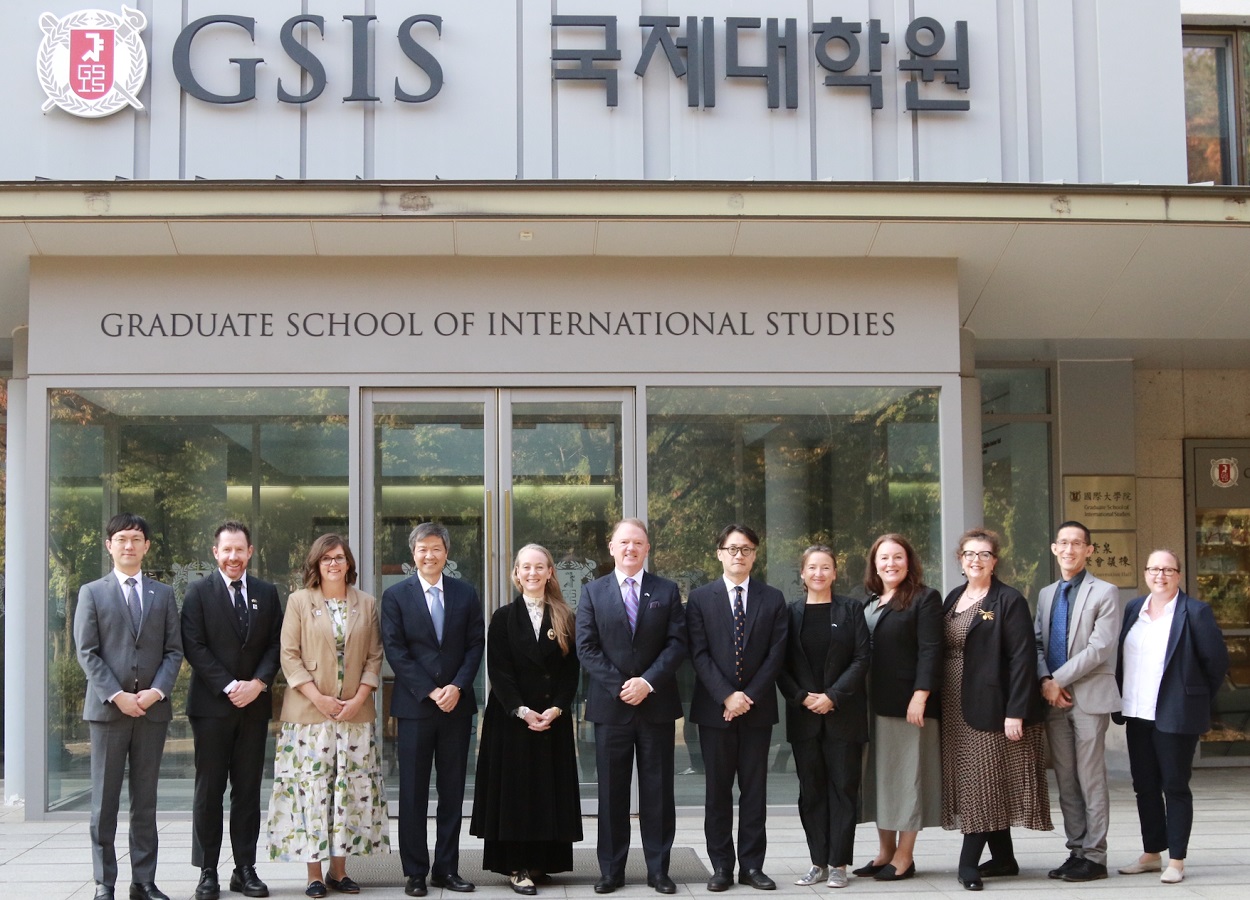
{"x":57,"y":35}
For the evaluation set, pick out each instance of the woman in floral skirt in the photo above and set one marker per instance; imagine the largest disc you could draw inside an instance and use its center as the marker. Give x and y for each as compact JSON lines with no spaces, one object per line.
{"x":328,"y":799}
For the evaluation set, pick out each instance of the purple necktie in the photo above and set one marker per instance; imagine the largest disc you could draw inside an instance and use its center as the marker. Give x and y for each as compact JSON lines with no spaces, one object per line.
{"x":631,"y":604}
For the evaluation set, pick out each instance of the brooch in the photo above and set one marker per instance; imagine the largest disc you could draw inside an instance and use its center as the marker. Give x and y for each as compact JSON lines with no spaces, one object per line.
{"x":551,"y":634}
{"x":987,"y":615}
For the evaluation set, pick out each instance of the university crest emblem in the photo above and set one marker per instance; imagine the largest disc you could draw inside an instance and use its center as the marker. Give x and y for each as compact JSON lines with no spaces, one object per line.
{"x":92,"y":63}
{"x":1224,"y":472}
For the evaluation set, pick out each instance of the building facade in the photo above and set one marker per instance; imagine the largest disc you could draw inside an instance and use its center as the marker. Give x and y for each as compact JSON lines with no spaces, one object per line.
{"x":828,"y":268}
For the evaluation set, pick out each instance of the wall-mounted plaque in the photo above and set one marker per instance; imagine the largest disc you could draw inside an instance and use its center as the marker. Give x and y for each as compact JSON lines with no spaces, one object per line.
{"x":1101,"y":502}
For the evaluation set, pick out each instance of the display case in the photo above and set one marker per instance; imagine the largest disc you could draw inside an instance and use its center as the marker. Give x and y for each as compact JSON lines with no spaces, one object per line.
{"x":1218,"y":515}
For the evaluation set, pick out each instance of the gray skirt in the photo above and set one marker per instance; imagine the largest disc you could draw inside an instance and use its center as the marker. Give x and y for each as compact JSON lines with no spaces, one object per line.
{"x":903,"y":775}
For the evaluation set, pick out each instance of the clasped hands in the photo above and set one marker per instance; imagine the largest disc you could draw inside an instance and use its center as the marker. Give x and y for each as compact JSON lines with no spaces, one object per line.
{"x":635,"y":690}
{"x":737,"y":704}
{"x":136,"y":705}
{"x":818,"y":703}
{"x":340,"y":710}
{"x":1056,"y":696}
{"x":445,"y":697}
{"x":540,"y":721}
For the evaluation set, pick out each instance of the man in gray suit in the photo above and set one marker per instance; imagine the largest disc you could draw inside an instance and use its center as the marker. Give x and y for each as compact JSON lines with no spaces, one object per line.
{"x":1077,"y":628}
{"x":130,"y":646}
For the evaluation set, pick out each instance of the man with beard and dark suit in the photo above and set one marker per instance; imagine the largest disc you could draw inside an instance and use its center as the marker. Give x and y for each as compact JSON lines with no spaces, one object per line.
{"x":434,"y":633}
{"x":130,"y":647}
{"x":231,"y":634}
{"x":631,"y":637}
{"x":737,"y":627}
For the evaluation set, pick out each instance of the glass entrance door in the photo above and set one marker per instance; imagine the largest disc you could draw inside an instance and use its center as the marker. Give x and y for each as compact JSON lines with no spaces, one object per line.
{"x":500,"y":468}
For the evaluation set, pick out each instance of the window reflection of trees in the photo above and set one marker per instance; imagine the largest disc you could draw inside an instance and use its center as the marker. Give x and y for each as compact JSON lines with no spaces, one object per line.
{"x":185,"y":459}
{"x":801,"y":465}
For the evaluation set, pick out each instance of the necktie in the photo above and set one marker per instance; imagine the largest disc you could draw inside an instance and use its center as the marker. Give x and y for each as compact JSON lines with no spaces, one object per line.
{"x":132,"y":602}
{"x":740,"y":631}
{"x":1057,"y":649}
{"x":436,"y":612}
{"x":240,"y":604}
{"x":631,"y":604}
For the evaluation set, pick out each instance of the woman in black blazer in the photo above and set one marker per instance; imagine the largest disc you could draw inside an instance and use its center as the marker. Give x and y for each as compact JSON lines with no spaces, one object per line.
{"x":822,"y":682}
{"x":526,"y":803}
{"x":1172,"y":661}
{"x":993,"y":774}
{"x":903,"y":788}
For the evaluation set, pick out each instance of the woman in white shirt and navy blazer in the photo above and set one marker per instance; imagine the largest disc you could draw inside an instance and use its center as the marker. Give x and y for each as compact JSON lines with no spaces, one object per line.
{"x":1172,"y":660}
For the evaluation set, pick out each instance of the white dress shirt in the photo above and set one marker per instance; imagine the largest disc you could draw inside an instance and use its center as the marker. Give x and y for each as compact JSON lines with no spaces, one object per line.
{"x":1145,"y":648}
{"x":731,"y":587}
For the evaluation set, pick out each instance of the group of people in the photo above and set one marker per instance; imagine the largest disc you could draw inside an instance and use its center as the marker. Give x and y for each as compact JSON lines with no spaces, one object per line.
{"x":954,"y":700}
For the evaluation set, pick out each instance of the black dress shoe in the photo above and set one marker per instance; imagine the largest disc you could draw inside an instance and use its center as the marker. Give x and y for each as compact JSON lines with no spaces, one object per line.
{"x":146,"y":890}
{"x":721,"y":880}
{"x":992,"y":868}
{"x":608,"y":883}
{"x":208,"y":888}
{"x":315,"y":889}
{"x":1085,"y":870}
{"x":343,"y":885}
{"x":889,"y":873}
{"x":971,"y":880}
{"x":415,"y":886}
{"x":1060,"y":870}
{"x":103,"y":892}
{"x":245,"y":881}
{"x":452,"y":882}
{"x":756,"y":879}
{"x":868,"y":871}
{"x":662,"y":883}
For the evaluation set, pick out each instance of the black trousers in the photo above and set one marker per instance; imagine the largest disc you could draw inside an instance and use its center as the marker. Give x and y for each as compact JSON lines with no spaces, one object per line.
{"x":615,"y":746}
{"x":227,"y":749}
{"x":1161,"y":764}
{"x":441,"y":743}
{"x":738,"y":752}
{"x":829,"y":773}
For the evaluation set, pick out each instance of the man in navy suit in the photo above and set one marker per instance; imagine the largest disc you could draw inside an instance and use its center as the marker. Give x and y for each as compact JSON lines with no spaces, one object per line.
{"x":631,"y":637}
{"x":737,"y":627}
{"x":232,"y":634}
{"x":130,"y":647}
{"x":433,"y":632}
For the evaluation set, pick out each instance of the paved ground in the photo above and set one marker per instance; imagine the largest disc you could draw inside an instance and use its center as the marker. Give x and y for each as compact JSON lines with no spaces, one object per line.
{"x":52,"y":861}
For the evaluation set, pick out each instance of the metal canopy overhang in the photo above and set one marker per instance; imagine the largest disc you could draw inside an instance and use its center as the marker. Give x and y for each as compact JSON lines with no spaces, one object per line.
{"x":1159,"y":275}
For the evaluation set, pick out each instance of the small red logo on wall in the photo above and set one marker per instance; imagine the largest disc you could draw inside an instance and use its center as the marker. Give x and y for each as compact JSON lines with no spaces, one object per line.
{"x":92,"y":63}
{"x":1224,"y":472}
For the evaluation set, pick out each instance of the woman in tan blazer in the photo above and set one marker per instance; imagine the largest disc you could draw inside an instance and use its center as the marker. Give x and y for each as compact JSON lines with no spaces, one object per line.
{"x":328,"y":798}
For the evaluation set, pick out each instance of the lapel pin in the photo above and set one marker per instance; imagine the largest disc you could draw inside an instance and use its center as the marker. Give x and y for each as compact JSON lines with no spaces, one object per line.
{"x":551,"y":634}
{"x":316,"y":612}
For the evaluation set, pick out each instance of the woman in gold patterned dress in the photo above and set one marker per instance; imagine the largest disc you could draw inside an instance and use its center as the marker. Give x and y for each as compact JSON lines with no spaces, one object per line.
{"x":328,"y":799}
{"x":993,"y":774}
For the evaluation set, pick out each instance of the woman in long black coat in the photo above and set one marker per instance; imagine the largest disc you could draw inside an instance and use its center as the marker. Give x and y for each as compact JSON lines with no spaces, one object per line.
{"x":526,"y":804}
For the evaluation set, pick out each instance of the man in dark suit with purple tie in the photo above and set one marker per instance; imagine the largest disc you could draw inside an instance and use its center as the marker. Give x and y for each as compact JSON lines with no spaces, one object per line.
{"x":631,"y":637}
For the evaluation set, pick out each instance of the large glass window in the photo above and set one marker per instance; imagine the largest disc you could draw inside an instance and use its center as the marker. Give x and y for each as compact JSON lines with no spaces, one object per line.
{"x":1016,"y":470}
{"x":835,"y":465}
{"x":185,"y":459}
{"x":1217,"y":105}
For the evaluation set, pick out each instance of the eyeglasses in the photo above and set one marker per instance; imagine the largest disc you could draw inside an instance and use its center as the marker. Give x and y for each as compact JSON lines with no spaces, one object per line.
{"x":983,"y":555}
{"x":1165,"y":571}
{"x":1075,"y":545}
{"x":333,"y":560}
{"x":739,"y":551}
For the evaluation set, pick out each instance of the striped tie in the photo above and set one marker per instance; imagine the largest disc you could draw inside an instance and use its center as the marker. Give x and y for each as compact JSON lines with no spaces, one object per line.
{"x":631,"y":604}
